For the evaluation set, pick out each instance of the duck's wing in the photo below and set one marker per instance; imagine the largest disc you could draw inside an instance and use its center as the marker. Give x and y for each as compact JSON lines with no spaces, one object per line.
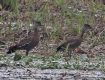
{"x":24,"y":43}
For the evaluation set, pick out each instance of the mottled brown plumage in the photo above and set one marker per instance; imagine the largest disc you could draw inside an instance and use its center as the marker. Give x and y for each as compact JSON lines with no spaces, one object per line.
{"x":27,"y":43}
{"x":73,"y":43}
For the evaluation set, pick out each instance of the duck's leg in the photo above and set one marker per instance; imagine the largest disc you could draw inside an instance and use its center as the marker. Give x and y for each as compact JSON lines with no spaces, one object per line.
{"x":69,"y":52}
{"x":27,"y":52}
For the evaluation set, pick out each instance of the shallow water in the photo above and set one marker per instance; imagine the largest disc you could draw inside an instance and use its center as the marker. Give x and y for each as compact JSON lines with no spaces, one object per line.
{"x":13,"y":73}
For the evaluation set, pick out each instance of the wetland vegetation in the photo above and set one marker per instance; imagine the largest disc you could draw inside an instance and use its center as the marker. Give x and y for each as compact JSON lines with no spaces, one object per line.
{"x":62,"y":19}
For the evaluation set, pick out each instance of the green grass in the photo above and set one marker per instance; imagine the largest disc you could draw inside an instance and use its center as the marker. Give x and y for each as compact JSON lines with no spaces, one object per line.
{"x":56,"y":62}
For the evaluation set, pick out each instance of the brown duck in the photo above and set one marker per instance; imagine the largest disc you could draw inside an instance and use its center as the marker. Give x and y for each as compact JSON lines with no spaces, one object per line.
{"x":73,"y":43}
{"x":27,"y":43}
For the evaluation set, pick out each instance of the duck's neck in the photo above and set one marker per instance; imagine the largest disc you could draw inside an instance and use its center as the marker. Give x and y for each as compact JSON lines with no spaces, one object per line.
{"x":35,"y":29}
{"x":36,"y":33}
{"x":81,"y":36}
